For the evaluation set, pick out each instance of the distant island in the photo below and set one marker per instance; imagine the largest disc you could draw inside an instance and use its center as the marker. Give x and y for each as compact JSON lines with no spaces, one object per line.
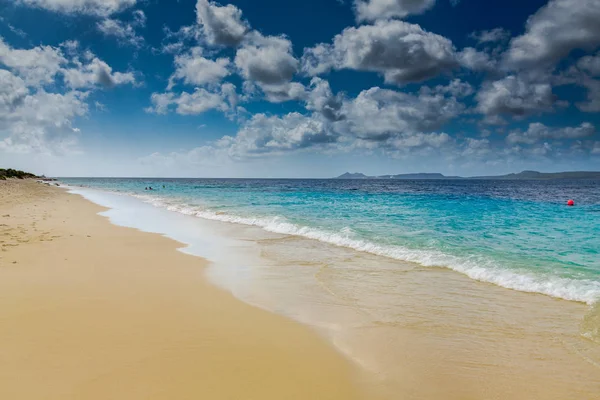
{"x":14,"y":173}
{"x":525,"y":175}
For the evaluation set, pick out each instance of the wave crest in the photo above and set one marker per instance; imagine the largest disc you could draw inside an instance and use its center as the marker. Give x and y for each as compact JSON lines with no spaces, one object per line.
{"x":477,"y":268}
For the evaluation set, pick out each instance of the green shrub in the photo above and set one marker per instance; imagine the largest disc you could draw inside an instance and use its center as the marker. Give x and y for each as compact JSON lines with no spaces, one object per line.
{"x":13,"y":173}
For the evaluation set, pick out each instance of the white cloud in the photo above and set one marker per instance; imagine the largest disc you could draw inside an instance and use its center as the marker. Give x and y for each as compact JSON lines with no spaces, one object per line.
{"x":285,"y":92}
{"x":194,"y":69}
{"x":419,"y":140}
{"x":40,"y":65}
{"x":268,"y":62}
{"x":514,"y":96}
{"x":124,"y":32}
{"x":371,"y":10}
{"x":321,"y":99}
{"x":554,"y":31}
{"x":538,"y":132}
{"x":476,"y":60}
{"x":95,"y":72}
{"x":400,"y":51}
{"x":378,"y":114}
{"x":38,"y":121}
{"x":36,"y":66}
{"x":273,"y":134}
{"x":221,"y":25}
{"x":91,"y":7}
{"x":475,"y":148}
{"x":34,"y":118}
{"x":455,"y":88}
{"x":12,"y":91}
{"x":198,"y":102}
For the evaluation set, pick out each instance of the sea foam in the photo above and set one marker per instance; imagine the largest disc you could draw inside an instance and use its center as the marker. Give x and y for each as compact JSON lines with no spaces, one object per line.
{"x":475,"y":267}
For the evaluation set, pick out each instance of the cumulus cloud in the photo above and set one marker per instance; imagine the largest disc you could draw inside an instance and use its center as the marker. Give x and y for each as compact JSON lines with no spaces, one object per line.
{"x":32,"y":117}
{"x":400,"y":51}
{"x":197,"y":102}
{"x":194,"y":69}
{"x":321,"y":99}
{"x":554,"y":31}
{"x":221,"y":25}
{"x":371,"y":10}
{"x":124,"y":32}
{"x":12,"y":91}
{"x":94,"y":72}
{"x":476,"y":60}
{"x":277,"y":134}
{"x":91,"y":7}
{"x":261,"y":135}
{"x":38,"y":65}
{"x":285,"y":92}
{"x":37,"y":121}
{"x":455,"y":88}
{"x":514,"y":96}
{"x":268,"y":62}
{"x":537,"y":132}
{"x":378,"y":114}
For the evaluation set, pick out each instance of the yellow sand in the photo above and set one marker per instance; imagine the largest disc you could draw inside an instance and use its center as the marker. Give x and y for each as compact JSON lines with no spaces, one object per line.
{"x":89,"y":310}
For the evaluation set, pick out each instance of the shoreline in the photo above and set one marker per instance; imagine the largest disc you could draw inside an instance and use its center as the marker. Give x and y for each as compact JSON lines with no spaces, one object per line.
{"x":585,"y":291}
{"x":91,"y":310}
{"x":428,"y":333}
{"x":454,"y":338}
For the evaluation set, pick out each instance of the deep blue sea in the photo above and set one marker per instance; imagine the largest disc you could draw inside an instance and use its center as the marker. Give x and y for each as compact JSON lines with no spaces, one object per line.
{"x":515,"y":234}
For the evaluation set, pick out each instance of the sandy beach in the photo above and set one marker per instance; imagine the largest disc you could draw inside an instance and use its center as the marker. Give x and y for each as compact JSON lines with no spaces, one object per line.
{"x":92,"y":310}
{"x":89,"y":310}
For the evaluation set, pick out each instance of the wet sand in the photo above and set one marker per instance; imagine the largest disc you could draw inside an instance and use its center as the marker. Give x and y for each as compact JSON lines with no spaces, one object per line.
{"x":422,"y":332}
{"x":90,"y":310}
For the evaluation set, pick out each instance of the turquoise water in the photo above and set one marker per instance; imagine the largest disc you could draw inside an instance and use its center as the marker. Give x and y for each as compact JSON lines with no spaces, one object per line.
{"x":515,"y":234}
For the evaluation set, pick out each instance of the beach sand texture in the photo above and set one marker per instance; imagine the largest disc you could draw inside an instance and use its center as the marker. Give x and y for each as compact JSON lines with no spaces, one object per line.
{"x":89,"y":310}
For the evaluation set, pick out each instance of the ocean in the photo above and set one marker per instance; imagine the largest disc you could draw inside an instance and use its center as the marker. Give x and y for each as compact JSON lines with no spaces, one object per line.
{"x":515,"y":234}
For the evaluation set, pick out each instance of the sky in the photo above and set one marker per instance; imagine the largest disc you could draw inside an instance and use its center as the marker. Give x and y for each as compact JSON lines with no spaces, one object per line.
{"x":298,"y":88}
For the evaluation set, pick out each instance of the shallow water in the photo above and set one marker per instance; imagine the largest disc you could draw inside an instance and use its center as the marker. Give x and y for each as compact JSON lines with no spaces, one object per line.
{"x":519,"y":235}
{"x":417,"y":330}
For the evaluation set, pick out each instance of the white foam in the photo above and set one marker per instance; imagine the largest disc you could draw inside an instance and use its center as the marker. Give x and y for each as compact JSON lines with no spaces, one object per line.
{"x":478,"y":268}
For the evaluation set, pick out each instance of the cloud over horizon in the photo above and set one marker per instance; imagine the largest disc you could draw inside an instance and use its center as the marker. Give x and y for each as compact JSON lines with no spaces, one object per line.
{"x":383,"y":86}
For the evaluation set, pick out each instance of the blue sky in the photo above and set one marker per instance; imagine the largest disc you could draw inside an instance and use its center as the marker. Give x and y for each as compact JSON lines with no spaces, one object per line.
{"x":313,"y":88}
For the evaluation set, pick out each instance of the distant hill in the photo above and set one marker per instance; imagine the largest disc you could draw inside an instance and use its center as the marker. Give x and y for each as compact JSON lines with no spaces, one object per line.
{"x":14,"y":173}
{"x":349,"y":175}
{"x":525,"y":175}
{"x":535,"y":175}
